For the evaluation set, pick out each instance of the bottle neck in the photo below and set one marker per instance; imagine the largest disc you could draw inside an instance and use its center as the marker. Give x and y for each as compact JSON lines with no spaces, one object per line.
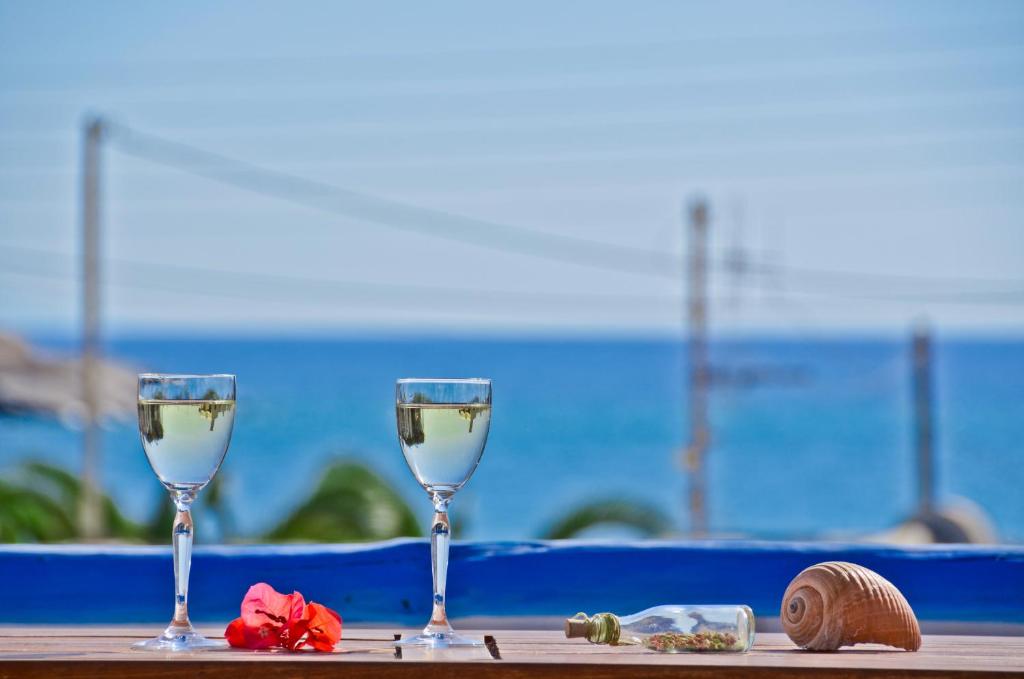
{"x":603,"y":628}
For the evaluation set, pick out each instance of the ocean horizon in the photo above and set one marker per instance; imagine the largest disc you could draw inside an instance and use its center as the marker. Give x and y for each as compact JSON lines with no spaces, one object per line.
{"x":811,"y":438}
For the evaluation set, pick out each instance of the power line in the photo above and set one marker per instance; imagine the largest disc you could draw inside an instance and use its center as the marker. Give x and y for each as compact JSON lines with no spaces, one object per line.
{"x":248,"y":285}
{"x":570,"y":114}
{"x":254,"y":286}
{"x":394,"y":214}
{"x":533,"y":301}
{"x":38,"y":168}
{"x":819,"y":34}
{"x":1005,"y":298}
{"x":219,"y":293}
{"x":446,"y":225}
{"x":819,"y":277}
{"x":525,"y":241}
{"x":312,"y":90}
{"x":658,"y":60}
{"x":501,"y":118}
{"x":661,"y":148}
{"x":491,"y":235}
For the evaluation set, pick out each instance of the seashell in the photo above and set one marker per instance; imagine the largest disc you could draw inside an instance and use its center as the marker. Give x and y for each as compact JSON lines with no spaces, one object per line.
{"x":837,"y":604}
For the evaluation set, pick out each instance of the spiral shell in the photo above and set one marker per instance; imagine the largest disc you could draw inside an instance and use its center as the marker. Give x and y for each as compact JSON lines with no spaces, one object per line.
{"x":837,"y":604}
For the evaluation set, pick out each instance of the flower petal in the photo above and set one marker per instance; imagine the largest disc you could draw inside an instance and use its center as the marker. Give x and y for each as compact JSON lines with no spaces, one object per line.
{"x":235,"y":633}
{"x":263,"y":605}
{"x":324,"y":627}
{"x":240,"y":635}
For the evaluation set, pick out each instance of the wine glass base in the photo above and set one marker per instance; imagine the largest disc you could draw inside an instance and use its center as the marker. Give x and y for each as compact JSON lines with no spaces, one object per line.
{"x":185,"y":642}
{"x":440,"y":640}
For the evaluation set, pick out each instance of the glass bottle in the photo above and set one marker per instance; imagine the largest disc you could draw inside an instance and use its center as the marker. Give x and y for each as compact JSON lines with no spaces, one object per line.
{"x":671,"y":629}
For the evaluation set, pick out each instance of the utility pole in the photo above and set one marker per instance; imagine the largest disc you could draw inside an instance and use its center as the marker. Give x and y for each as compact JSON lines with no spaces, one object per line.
{"x":90,"y":517}
{"x":924,"y":426}
{"x":699,"y":377}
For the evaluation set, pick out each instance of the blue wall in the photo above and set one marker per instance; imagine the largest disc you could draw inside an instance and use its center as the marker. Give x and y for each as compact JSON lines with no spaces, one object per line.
{"x":390,"y":581}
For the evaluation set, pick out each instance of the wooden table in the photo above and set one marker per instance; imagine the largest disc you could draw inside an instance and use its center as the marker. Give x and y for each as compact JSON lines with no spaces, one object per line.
{"x":93,"y":651}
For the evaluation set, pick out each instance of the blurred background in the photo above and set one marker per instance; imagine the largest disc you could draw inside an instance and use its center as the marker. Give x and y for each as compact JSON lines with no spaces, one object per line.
{"x":737,"y":269}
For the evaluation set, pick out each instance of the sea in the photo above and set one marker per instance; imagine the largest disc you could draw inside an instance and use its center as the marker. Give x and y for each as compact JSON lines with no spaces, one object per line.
{"x":809,"y":439}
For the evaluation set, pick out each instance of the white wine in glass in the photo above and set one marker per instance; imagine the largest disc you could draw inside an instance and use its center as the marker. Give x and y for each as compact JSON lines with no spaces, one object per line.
{"x":442,"y":443}
{"x":185,"y":422}
{"x":442,"y":428}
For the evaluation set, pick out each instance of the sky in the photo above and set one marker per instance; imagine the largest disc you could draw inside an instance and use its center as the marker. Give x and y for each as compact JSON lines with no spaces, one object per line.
{"x":525,"y":167}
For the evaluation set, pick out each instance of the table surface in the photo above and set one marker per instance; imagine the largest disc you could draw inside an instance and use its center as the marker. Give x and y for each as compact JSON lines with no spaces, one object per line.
{"x":84,"y":651}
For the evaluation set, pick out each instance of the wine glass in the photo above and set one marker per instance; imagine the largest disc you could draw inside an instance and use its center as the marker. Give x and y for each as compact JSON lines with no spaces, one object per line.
{"x":185,"y":422}
{"x":442,"y":427}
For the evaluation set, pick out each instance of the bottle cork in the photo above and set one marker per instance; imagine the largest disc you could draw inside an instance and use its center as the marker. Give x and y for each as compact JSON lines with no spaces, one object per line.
{"x":575,"y":627}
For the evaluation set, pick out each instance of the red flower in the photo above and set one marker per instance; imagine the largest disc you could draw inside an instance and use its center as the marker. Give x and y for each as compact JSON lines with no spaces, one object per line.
{"x":270,"y":618}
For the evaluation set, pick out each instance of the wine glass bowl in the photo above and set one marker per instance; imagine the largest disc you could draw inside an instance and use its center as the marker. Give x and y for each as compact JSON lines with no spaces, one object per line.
{"x":185,"y":423}
{"x":457,"y":417}
{"x":186,"y":438}
{"x":442,"y":429}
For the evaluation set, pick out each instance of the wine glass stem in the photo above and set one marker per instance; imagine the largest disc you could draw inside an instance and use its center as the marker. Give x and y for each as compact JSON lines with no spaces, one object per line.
{"x":440,"y":537}
{"x":181,"y":539}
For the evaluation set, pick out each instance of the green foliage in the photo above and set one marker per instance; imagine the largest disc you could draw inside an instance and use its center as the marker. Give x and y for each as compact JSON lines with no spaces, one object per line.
{"x":29,"y":516}
{"x":41,"y":504}
{"x":350,"y":504}
{"x":646,"y":520}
